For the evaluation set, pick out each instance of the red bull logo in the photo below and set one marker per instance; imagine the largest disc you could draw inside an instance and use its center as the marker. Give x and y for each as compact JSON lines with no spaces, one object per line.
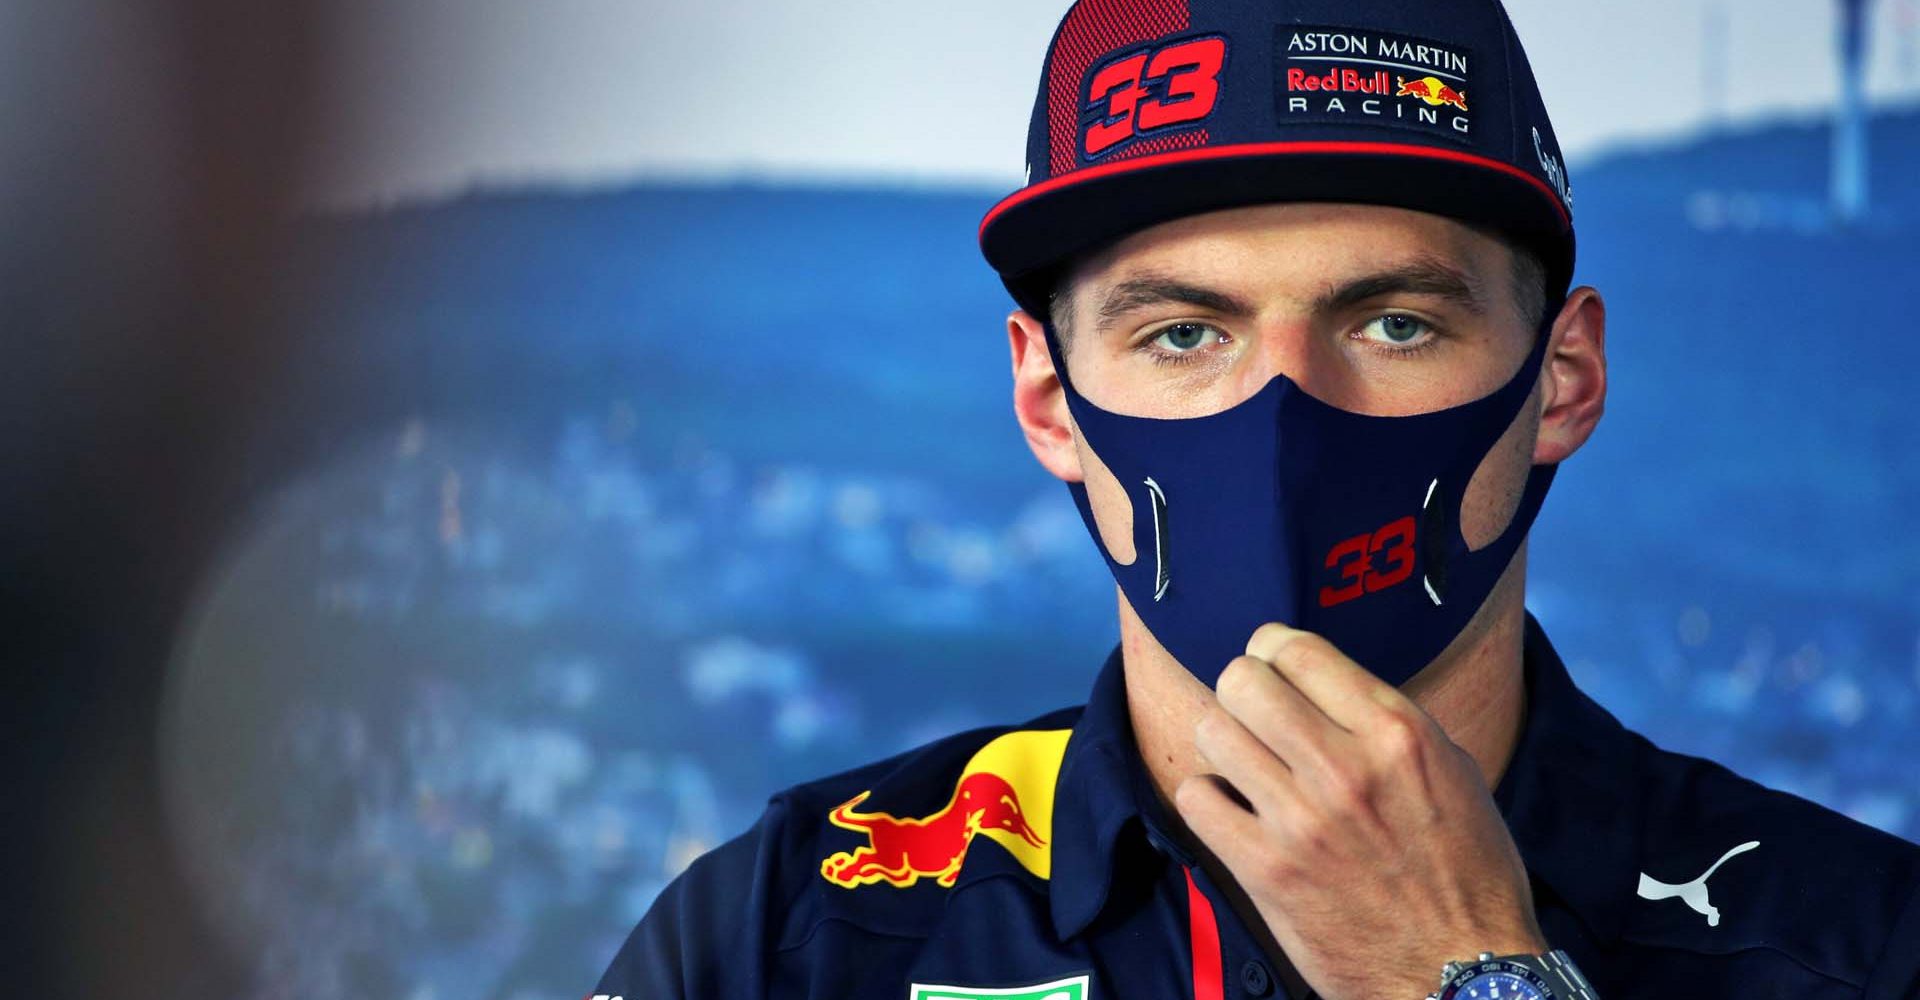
{"x":1327,"y":73}
{"x":1431,"y":90}
{"x":1005,"y":792}
{"x":1346,"y":81}
{"x":903,"y":851}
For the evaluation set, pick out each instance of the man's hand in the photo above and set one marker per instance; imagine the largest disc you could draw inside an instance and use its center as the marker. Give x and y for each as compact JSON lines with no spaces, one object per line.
{"x":1372,"y":848}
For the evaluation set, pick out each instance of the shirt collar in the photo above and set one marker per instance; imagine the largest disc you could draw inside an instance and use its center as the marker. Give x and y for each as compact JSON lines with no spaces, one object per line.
{"x":1102,"y":789}
{"x":1569,"y":796}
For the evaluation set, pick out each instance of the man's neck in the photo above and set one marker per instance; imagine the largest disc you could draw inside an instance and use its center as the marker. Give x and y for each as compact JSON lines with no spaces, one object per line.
{"x":1475,"y":690}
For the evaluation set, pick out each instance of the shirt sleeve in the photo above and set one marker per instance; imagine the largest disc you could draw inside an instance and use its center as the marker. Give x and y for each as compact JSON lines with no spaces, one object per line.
{"x":706,"y":933}
{"x":1897,"y":977}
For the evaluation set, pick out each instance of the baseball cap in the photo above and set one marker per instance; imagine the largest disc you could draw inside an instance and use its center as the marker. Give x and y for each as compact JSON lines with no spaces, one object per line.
{"x":1150,"y":110}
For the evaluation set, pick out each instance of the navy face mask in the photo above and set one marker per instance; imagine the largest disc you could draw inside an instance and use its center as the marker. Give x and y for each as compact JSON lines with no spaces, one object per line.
{"x":1285,"y":508}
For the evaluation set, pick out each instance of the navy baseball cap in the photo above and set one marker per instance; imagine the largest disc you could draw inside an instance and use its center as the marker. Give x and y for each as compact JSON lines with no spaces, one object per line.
{"x":1150,"y":110}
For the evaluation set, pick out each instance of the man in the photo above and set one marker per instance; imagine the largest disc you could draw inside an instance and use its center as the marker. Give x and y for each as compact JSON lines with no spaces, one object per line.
{"x":1295,"y":327}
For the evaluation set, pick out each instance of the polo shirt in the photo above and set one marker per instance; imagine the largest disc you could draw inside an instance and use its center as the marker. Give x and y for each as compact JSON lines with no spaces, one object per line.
{"x":1035,"y":861}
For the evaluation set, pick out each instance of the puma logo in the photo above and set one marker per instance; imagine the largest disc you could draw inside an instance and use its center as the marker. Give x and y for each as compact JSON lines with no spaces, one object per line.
{"x":1692,"y":893}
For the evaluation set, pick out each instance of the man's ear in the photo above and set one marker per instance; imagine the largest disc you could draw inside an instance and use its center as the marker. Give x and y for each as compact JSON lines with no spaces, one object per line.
{"x":1574,"y":378}
{"x":1039,"y":400}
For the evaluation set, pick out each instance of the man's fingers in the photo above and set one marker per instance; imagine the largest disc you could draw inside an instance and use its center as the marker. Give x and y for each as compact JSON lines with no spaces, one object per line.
{"x":1341,"y":688}
{"x":1223,"y":824}
{"x":1277,"y":713}
{"x":1246,"y":762}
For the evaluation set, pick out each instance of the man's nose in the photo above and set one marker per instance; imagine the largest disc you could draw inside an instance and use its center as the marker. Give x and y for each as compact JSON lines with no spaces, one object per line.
{"x":1295,"y":348}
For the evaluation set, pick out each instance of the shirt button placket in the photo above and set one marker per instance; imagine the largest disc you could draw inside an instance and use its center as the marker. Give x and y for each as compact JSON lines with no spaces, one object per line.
{"x":1255,"y":978}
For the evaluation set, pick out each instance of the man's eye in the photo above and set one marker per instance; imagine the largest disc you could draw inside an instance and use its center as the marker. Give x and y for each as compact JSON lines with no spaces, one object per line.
{"x":1179,"y":338}
{"x":1395,"y":330}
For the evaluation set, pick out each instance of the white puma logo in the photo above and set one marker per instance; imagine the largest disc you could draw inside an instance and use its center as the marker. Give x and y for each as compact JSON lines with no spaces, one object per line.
{"x":1693,"y":893}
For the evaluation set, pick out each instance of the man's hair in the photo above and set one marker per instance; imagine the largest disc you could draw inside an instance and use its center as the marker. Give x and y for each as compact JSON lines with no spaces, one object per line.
{"x":1528,"y":276}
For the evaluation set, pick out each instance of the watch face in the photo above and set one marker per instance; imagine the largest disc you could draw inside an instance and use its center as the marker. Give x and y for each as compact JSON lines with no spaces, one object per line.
{"x":1499,"y":980}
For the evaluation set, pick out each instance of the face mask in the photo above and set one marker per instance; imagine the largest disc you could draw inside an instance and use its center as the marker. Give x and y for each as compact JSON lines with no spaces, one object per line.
{"x":1284,"y":508}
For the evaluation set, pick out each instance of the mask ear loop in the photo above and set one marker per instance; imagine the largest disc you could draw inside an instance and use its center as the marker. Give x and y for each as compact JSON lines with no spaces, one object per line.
{"x":1058,"y":353}
{"x":1451,"y":505}
{"x":1152,"y":497}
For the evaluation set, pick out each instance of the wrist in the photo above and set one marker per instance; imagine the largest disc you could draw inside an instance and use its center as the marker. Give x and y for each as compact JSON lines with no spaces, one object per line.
{"x":1523,"y":941}
{"x":1523,"y":937}
{"x":1523,"y":944}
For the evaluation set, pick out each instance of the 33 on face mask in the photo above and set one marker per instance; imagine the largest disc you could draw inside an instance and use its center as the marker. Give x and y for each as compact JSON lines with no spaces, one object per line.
{"x":1285,"y":508}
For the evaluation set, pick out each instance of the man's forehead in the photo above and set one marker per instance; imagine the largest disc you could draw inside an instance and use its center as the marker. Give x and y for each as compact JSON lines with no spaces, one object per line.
{"x":1311,"y":240}
{"x":1331,"y":255}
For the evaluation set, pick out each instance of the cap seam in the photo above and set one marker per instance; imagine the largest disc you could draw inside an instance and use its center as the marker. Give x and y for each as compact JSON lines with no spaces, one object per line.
{"x":1508,"y":39}
{"x":1273,"y":148}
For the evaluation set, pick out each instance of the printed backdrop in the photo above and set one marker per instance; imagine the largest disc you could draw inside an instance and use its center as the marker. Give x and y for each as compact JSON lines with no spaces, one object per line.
{"x":615,"y":512}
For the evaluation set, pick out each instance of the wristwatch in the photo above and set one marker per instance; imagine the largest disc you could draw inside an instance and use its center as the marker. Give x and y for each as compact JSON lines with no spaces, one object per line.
{"x":1551,"y":976}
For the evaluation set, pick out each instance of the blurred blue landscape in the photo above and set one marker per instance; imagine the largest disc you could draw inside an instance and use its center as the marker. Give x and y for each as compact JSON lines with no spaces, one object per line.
{"x":621,"y":510}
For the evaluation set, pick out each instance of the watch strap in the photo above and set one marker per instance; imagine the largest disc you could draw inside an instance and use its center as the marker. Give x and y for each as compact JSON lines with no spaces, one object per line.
{"x":1562,"y":977}
{"x":1560,"y":973}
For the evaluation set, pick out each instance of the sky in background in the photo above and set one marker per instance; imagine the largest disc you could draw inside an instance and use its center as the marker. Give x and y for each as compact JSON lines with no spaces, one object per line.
{"x":428,"y":98}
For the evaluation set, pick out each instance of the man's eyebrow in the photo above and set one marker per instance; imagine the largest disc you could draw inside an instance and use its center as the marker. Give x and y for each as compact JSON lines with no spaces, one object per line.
{"x":1420,"y":276}
{"x":1154,"y":289}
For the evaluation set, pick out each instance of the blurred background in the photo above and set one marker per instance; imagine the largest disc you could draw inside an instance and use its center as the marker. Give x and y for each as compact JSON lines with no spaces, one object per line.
{"x":461,"y":457}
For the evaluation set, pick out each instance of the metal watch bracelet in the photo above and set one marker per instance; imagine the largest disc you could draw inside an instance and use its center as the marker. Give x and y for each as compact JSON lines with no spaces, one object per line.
{"x":1557,"y":962}
{"x":1563,"y":977}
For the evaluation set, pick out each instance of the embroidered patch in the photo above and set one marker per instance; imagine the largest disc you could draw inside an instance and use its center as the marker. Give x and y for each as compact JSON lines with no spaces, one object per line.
{"x":1072,"y":988}
{"x":1133,"y":100}
{"x":1005,"y":793}
{"x":1350,"y":76}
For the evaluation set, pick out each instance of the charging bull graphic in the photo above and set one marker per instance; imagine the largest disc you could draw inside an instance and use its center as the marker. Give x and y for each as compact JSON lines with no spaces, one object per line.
{"x":1432,"y":91}
{"x":1006,"y":792}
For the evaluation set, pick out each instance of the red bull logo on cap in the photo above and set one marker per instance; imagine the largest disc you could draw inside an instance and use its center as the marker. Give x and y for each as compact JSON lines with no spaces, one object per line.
{"x":1004,"y":792}
{"x":1331,"y":74}
{"x":1433,"y":91}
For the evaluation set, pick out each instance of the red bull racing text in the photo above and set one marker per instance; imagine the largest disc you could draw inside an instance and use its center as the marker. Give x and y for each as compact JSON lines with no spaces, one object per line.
{"x":1337,"y":74}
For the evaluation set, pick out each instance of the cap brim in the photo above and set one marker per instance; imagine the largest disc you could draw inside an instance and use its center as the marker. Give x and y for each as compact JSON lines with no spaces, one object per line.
{"x":1030,"y":233}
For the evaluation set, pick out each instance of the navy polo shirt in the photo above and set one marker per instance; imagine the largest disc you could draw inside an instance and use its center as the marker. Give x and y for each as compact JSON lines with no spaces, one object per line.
{"x":1035,"y":862}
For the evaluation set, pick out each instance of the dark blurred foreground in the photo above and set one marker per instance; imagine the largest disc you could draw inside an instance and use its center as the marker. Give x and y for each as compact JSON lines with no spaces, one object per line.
{"x":150,"y":153}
